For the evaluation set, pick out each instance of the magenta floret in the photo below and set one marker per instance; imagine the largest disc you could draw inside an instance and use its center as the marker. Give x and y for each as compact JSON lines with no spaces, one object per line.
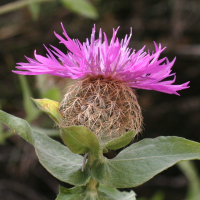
{"x":139,"y":69}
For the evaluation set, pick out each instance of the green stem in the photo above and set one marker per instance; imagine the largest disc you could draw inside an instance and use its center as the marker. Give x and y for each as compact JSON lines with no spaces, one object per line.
{"x":91,"y":159}
{"x":18,"y":4}
{"x":93,"y":184}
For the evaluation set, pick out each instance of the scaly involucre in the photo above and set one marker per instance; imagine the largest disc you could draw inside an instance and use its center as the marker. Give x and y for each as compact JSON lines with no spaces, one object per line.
{"x":114,"y":61}
{"x":108,"y":107}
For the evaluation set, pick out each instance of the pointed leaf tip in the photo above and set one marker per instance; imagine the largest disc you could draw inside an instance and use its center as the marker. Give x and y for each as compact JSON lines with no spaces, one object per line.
{"x":51,"y":108}
{"x":143,"y":160}
{"x":80,"y":140}
{"x":20,"y":126}
{"x":55,"y":157}
{"x":82,"y":7}
{"x":121,"y":141}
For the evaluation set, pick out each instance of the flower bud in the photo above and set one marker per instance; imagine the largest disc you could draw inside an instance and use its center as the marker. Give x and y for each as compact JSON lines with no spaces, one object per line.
{"x":107,"y":107}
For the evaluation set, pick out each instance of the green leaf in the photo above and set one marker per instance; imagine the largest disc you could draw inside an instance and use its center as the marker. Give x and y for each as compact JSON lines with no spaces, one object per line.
{"x":31,"y":110}
{"x":2,"y":137}
{"x":116,"y":194}
{"x":49,"y":132}
{"x":82,"y":7}
{"x":105,"y":150}
{"x":55,"y":157}
{"x":80,"y":193}
{"x":60,"y":161}
{"x":159,"y":195}
{"x":50,"y":107}
{"x":190,"y":171}
{"x":143,"y":160}
{"x":121,"y":141}
{"x":104,"y":196}
{"x":80,"y":140}
{"x":9,"y":7}
{"x":75,"y":193}
{"x":52,"y":93}
{"x":18,"y":125}
{"x":34,"y":9}
{"x":48,"y":87}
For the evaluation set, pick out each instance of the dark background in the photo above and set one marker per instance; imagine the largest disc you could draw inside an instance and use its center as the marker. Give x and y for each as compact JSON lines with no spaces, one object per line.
{"x":173,"y":23}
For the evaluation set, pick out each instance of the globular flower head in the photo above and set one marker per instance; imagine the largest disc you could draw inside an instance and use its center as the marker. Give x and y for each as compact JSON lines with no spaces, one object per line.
{"x":102,"y":99}
{"x":108,"y":107}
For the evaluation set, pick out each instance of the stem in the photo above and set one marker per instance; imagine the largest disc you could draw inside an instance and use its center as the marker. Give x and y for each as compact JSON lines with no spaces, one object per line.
{"x":93,"y":184}
{"x":91,"y":159}
{"x":91,"y":190}
{"x":18,"y":4}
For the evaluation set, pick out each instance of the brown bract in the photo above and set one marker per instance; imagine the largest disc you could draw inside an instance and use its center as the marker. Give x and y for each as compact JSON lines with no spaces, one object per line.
{"x":107,"y":107}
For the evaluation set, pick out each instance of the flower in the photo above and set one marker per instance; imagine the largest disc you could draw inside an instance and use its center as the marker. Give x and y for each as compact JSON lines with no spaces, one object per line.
{"x":115,"y":61}
{"x":103,"y":98}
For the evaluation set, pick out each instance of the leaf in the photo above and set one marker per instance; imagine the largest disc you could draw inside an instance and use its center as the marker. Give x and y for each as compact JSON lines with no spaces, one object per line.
{"x":143,"y":160}
{"x":121,"y":141}
{"x":2,"y":137}
{"x":18,"y":125}
{"x":116,"y":194}
{"x":190,"y":171}
{"x":9,"y":7}
{"x":74,"y":193}
{"x":80,"y":140}
{"x":52,"y":93}
{"x":48,"y":88}
{"x":82,"y":7}
{"x":31,"y":110}
{"x":80,"y":193}
{"x":159,"y":195}
{"x":104,"y":196}
{"x":50,"y":107}
{"x":60,"y":161}
{"x":55,"y":157}
{"x":34,"y":10}
{"x":49,"y":132}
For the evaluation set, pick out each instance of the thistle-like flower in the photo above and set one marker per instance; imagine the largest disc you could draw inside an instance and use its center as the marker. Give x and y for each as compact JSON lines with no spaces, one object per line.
{"x":103,"y":98}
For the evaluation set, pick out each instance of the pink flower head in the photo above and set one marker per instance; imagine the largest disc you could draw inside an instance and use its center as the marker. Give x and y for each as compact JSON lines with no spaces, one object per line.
{"x":112,"y":60}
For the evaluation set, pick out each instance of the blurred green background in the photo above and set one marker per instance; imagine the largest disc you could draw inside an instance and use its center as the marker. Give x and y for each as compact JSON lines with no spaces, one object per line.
{"x":25,"y":25}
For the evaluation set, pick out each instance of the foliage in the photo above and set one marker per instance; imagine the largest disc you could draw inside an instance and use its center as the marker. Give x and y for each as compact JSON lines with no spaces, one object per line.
{"x":157,"y":196}
{"x":133,"y":166}
{"x":82,"y":7}
{"x":190,"y":171}
{"x":30,"y":109}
